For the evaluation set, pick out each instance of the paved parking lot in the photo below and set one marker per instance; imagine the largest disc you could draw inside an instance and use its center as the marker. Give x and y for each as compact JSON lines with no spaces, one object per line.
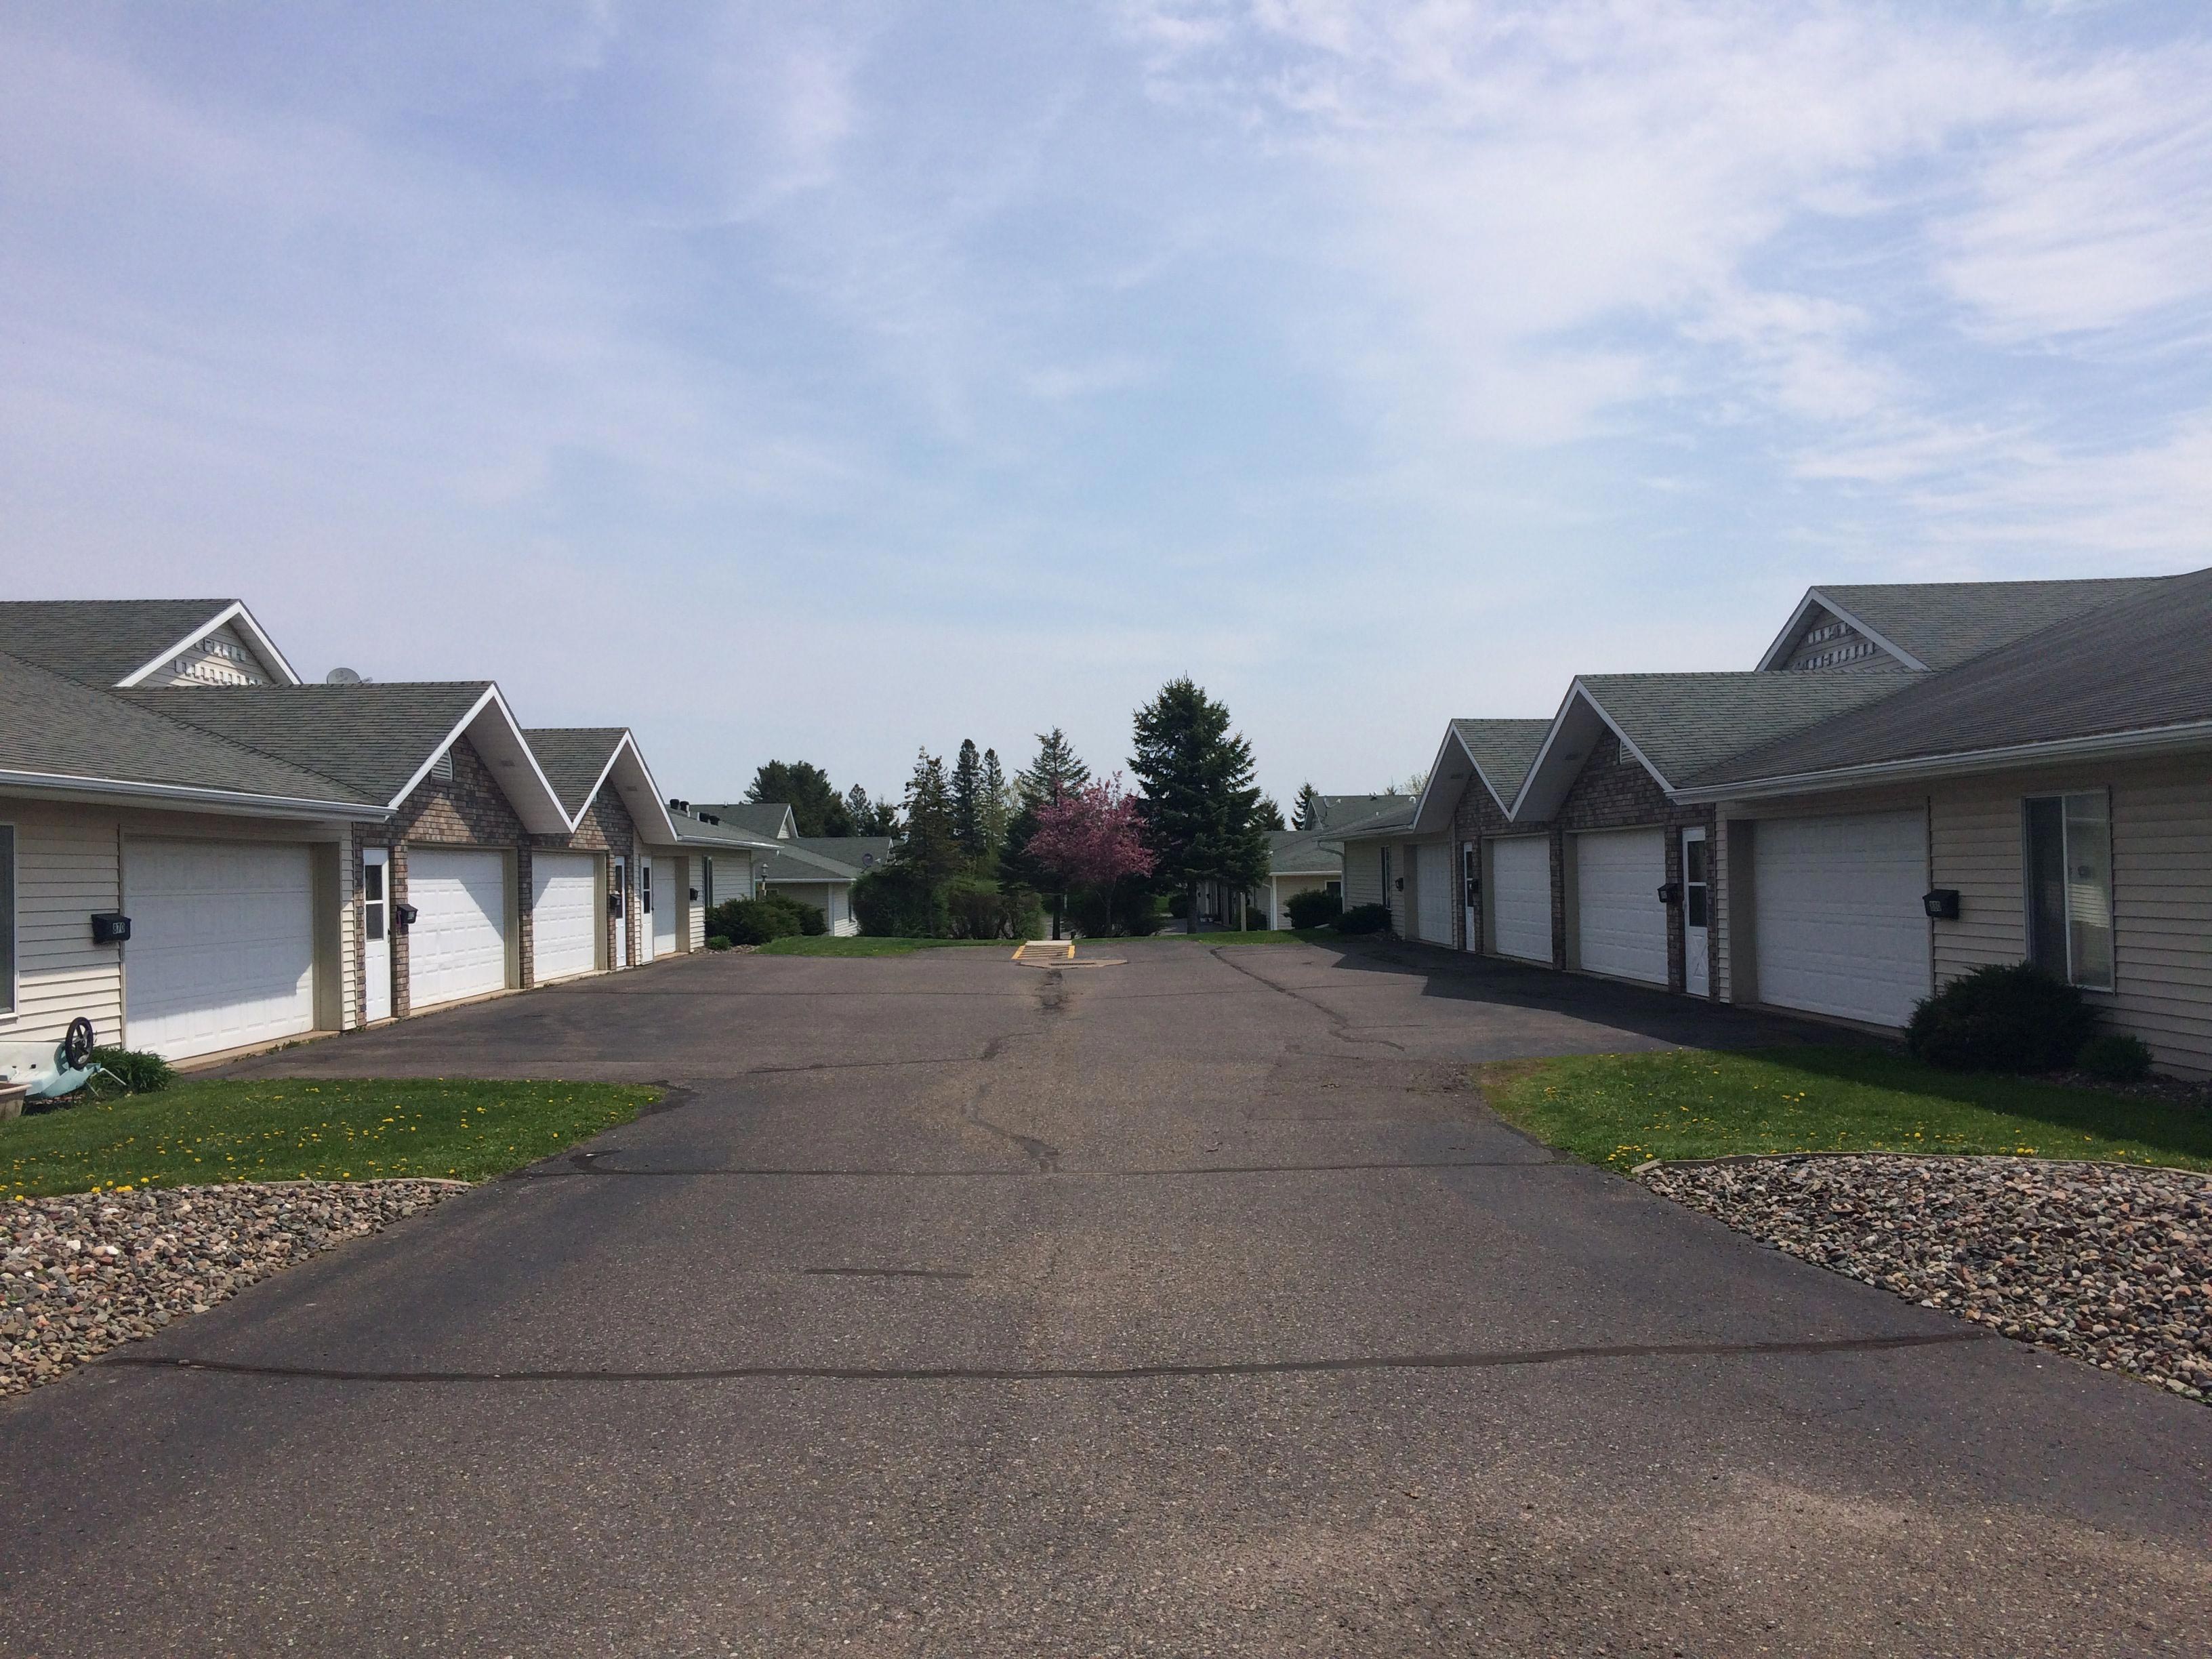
{"x":1185,"y":1304}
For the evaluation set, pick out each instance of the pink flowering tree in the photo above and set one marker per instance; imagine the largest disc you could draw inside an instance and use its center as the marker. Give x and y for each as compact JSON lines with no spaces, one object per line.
{"x":1091,"y":836}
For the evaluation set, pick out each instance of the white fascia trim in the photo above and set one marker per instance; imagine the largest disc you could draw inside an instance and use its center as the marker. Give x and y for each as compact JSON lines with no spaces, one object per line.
{"x":490,"y":698}
{"x":235,"y":611}
{"x":177,"y":794}
{"x":1813,"y":596}
{"x":1544,"y":748}
{"x":1575,"y":692}
{"x":2111,"y":745}
{"x":599,"y":783}
{"x":1436,"y":772}
{"x":651,"y":790}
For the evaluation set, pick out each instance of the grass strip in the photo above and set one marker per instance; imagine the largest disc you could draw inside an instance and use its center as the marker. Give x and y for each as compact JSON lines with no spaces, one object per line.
{"x":1622,"y":1110}
{"x":291,"y":1129}
{"x":858,"y":944}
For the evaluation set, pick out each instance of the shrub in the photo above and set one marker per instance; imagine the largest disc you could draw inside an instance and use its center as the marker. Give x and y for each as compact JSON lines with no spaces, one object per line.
{"x":1316,"y":908}
{"x":2116,"y":1057}
{"x":719,"y":942}
{"x":2015,"y":1018}
{"x":1179,"y":906}
{"x":140,"y":1072}
{"x":1364,"y":919}
{"x":899,"y":901}
{"x":811,"y":922}
{"x":1141,"y":919}
{"x":977,"y":909}
{"x":1255,"y":920}
{"x":757,"y":921}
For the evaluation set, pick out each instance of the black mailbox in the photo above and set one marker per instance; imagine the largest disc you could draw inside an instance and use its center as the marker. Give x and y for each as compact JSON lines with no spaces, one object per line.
{"x":1942,"y":903}
{"x":110,"y":927}
{"x":1400,"y":884}
{"x":404,"y":914}
{"x":614,"y":903}
{"x":694,"y":896}
{"x":1671,"y":893}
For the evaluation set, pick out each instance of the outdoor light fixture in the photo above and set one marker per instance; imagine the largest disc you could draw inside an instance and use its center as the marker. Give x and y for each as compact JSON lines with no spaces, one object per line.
{"x":1670,"y":893}
{"x":1942,"y":903}
{"x":404,"y":914}
{"x":110,"y":927}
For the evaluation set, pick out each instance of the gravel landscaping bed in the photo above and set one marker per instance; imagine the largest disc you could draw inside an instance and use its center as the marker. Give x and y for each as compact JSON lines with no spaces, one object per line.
{"x":83,"y":1272}
{"x":2112,"y":1265}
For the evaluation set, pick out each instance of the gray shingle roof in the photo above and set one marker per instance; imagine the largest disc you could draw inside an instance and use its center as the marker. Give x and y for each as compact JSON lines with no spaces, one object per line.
{"x":374,"y":738}
{"x":99,"y":641}
{"x":1337,"y":810}
{"x":1395,"y":817}
{"x":574,"y":759}
{"x":1303,"y":853}
{"x":1685,"y":723}
{"x":52,"y":724}
{"x":761,"y":818}
{"x":1946,"y":623}
{"x":1504,"y":749}
{"x":2137,"y":663}
{"x":827,"y":858}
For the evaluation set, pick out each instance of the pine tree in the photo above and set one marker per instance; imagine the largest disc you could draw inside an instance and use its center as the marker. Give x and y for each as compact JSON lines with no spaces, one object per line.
{"x":1308,"y":809}
{"x":991,"y":810}
{"x":1267,"y":815}
{"x":927,"y":841}
{"x":1201,"y":805}
{"x":815,"y":806}
{"x":1053,"y":772}
{"x":967,"y":800}
{"x":870,"y":817}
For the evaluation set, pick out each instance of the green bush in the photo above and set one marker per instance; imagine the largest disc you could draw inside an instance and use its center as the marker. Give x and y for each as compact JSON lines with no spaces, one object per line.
{"x":1140,"y":916}
{"x":811,"y":922}
{"x":1316,"y":908}
{"x":2116,"y":1057}
{"x":719,"y":942}
{"x":2014,"y":1017}
{"x":140,"y":1072}
{"x":757,"y":921}
{"x":899,"y":901}
{"x":1255,"y":920}
{"x":1364,"y":919}
{"x":1179,"y":906}
{"x":978,"y":908}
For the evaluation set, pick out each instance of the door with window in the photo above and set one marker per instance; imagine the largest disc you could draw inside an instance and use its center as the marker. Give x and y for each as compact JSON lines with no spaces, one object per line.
{"x":2070,"y":887}
{"x":1696,"y":914}
{"x":376,"y":932}
{"x":618,"y":908}
{"x":644,"y":926}
{"x":1470,"y":892}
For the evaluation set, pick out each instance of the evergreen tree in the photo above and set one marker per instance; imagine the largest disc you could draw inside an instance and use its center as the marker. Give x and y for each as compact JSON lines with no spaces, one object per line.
{"x":1053,"y":772}
{"x":815,"y":806}
{"x":1267,"y":815}
{"x":968,"y":800}
{"x":926,"y":841}
{"x":870,"y":817}
{"x":992,"y":809}
{"x":1200,"y":806}
{"x":1308,"y":811}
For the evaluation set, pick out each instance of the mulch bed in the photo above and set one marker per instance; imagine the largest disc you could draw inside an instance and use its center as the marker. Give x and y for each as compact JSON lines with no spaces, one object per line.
{"x":2110,"y":1264}
{"x":83,"y":1272}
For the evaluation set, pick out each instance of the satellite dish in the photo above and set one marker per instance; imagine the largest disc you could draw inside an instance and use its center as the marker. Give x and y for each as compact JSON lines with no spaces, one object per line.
{"x":342,"y":676}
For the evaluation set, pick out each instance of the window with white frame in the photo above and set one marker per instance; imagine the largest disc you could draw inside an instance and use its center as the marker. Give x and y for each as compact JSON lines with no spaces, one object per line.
{"x":2069,"y":855}
{"x":7,"y":919}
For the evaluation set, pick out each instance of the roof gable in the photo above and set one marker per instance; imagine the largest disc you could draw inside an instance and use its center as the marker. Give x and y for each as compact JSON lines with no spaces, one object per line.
{"x":770,"y":818}
{"x":121,"y":642}
{"x":1933,"y":625}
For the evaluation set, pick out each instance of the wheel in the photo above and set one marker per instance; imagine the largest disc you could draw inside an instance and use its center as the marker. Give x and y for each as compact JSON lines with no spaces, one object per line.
{"x":77,"y":1046}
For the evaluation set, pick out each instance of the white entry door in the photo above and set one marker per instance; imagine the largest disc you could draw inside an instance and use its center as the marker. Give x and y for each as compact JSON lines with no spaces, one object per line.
{"x":1621,"y":921}
{"x":458,"y":946}
{"x":376,"y":932}
{"x":1696,"y":914}
{"x":1839,"y":923}
{"x":669,"y":901}
{"x":1433,"y":899}
{"x":564,"y":914}
{"x":1470,"y":894}
{"x":618,"y":908}
{"x":1520,"y":897}
{"x":222,"y":947}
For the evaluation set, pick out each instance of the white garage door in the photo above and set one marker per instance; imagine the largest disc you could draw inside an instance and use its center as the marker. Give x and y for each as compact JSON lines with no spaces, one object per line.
{"x":564,"y":913}
{"x":1620,"y":920}
{"x":669,"y":899}
{"x":458,"y":946}
{"x":1434,"y":880}
{"x":1840,"y":928}
{"x":1520,"y":899}
{"x":222,"y":946}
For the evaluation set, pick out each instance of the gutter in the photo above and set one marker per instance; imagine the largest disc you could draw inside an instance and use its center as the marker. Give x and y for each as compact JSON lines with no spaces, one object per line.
{"x":2154,"y":740}
{"x":183,"y":794}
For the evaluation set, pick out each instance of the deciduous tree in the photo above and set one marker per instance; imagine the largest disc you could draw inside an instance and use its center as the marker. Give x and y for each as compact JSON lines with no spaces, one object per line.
{"x":817,"y":809}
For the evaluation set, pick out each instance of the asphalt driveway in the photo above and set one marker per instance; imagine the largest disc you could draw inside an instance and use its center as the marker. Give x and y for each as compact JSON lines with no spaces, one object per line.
{"x":1183,"y":1304}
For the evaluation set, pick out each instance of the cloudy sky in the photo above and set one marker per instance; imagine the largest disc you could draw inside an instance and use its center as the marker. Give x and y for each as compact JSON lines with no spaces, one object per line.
{"x":819,"y":380}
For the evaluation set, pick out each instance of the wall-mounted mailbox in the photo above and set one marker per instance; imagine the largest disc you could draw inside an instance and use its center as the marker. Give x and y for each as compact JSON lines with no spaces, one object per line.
{"x":1942,"y":903}
{"x":110,"y":927}
{"x":1671,"y":893}
{"x":614,"y":902}
{"x":1400,"y":884}
{"x":404,"y":914}
{"x":694,"y":896}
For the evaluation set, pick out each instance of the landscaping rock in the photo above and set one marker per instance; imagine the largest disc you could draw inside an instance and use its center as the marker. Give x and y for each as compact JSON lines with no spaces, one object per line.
{"x":83,"y":1272}
{"x":2112,"y":1265}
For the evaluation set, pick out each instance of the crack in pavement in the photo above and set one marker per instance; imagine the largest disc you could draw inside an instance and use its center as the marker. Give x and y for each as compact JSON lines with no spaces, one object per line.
{"x":1416,"y":1362}
{"x":1340,"y":1024}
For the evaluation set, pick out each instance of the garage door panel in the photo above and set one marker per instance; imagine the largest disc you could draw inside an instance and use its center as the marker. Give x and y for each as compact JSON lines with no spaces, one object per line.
{"x":1621,"y":922}
{"x":1839,"y":928}
{"x":222,"y":953}
{"x":564,"y":911}
{"x":458,"y":946}
{"x":1520,"y":899}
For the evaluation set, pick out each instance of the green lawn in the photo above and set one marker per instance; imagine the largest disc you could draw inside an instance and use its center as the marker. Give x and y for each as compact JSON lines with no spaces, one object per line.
{"x":291,"y":1129}
{"x":1620,"y":1110}
{"x":828,"y":944}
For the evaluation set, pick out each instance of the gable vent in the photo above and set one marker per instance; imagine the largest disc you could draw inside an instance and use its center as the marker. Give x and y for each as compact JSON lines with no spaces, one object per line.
{"x":442,"y":768}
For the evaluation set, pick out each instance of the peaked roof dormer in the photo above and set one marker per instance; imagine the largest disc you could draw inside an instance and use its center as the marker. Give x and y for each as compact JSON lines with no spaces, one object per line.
{"x":1925,"y":626}
{"x":131,"y":643}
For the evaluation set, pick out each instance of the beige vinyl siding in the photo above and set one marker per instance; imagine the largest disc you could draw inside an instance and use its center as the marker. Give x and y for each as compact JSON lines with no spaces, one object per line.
{"x":66,"y":869}
{"x":1362,"y":872}
{"x":1716,"y":895}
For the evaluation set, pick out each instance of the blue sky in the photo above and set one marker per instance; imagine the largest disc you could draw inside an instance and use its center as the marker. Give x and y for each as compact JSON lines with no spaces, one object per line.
{"x":817,"y":381}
